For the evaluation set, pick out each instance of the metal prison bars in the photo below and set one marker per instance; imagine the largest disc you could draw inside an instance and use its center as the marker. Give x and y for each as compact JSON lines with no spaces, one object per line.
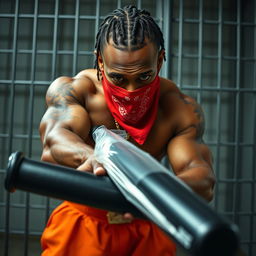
{"x":211,"y":52}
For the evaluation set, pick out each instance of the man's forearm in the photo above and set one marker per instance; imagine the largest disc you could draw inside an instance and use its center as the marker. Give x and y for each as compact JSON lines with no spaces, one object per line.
{"x":65,"y":148}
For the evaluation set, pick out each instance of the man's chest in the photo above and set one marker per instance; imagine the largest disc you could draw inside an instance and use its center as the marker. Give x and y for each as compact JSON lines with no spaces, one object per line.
{"x":157,"y":139}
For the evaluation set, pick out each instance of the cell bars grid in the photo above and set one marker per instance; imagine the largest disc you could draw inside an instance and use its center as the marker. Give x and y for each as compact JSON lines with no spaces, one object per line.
{"x":236,"y":182}
{"x":21,"y":50}
{"x":220,"y":99}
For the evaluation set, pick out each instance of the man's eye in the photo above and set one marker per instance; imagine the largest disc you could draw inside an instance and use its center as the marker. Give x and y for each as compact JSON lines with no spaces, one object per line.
{"x":117,"y":79}
{"x":145,"y":78}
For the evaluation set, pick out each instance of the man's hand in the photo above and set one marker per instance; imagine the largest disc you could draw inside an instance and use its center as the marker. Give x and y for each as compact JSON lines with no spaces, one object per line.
{"x":91,"y":165}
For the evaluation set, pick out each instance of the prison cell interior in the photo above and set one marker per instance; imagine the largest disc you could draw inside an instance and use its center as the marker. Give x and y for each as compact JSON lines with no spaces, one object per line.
{"x":211,"y":56}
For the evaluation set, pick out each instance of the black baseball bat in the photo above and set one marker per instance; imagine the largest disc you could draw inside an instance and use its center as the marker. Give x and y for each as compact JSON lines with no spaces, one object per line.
{"x":195,"y":226}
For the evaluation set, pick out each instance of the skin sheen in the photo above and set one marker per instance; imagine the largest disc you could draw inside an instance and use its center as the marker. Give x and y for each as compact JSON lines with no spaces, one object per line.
{"x":76,"y":104}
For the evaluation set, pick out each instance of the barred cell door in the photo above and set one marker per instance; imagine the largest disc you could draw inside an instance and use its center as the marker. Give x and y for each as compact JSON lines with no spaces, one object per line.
{"x":211,"y":56}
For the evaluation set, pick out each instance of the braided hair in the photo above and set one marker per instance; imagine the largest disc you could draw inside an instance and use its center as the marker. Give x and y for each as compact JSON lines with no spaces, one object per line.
{"x":128,"y":28}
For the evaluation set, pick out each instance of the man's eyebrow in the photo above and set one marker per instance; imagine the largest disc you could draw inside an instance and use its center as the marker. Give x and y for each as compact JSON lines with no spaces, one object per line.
{"x":146,"y":73}
{"x":112,"y":74}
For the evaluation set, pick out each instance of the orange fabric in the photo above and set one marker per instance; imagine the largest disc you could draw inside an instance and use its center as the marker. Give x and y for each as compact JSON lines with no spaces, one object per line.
{"x":78,"y":230}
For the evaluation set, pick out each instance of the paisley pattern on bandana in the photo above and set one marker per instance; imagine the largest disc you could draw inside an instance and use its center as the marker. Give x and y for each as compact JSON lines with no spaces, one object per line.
{"x":139,"y":106}
{"x":135,"y":111}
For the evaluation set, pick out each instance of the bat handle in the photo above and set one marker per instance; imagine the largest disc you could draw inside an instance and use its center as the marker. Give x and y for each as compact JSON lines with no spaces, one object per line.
{"x":65,"y":183}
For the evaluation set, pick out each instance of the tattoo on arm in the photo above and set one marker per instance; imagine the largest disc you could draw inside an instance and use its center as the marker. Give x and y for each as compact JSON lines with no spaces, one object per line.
{"x":200,"y":125}
{"x":58,"y":99}
{"x":62,"y":95}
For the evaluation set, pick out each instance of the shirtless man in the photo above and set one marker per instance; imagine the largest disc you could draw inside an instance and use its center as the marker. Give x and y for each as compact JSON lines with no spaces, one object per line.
{"x":129,"y":55}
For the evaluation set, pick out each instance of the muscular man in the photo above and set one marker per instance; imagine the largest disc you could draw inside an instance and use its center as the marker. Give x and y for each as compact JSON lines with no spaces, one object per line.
{"x":123,"y":92}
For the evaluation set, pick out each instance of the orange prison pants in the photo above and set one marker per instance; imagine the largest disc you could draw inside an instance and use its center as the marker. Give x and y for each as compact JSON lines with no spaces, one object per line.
{"x":78,"y":230}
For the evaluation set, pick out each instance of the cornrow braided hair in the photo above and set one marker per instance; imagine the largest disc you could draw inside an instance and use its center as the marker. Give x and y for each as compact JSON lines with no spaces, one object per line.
{"x":128,"y":28}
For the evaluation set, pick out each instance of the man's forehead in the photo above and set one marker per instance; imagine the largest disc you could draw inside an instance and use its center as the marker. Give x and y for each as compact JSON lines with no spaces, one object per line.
{"x":129,"y":46}
{"x":144,"y":55}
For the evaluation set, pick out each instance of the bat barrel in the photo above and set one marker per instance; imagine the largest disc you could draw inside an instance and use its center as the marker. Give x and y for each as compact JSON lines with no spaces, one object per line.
{"x":196,"y":226}
{"x":164,"y":198}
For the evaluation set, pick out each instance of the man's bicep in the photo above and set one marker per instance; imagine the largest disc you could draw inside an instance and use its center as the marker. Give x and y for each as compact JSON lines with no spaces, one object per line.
{"x":73,"y":118}
{"x":65,"y":108}
{"x":185,"y":152}
{"x":79,"y":121}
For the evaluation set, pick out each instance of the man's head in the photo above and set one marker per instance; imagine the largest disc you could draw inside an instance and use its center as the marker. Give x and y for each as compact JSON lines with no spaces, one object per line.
{"x":124,"y":32}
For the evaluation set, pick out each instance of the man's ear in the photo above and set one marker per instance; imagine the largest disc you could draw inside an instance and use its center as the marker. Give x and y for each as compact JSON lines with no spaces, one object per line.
{"x":161,"y":58}
{"x":100,"y":62}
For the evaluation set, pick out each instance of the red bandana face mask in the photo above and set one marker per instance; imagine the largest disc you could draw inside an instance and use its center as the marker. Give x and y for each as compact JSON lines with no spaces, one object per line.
{"x":135,"y":111}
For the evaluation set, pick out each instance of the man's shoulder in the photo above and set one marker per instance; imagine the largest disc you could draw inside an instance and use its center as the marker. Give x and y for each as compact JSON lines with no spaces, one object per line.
{"x":183,"y":110}
{"x":88,"y":74}
{"x":170,"y":94}
{"x":84,"y":81}
{"x":168,"y":86}
{"x":87,"y":79}
{"x":76,"y":88}
{"x":174,"y":97}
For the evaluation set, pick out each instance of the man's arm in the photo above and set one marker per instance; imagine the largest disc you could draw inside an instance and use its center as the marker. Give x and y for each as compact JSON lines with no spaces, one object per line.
{"x":66,"y":125}
{"x":190,"y":158}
